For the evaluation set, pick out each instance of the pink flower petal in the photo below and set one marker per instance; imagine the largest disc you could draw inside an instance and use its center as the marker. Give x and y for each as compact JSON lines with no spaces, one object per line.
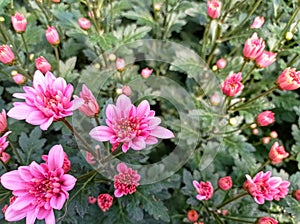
{"x":68,"y":182}
{"x":122,"y":168}
{"x":57,"y":202}
{"x":118,"y":193}
{"x":38,"y":80}
{"x":36,"y":118}
{"x":112,"y":112}
{"x":25,"y":173}
{"x":150,"y":140}
{"x":55,"y":157}
{"x":47,"y":123}
{"x":13,"y":215}
{"x":138,"y":143}
{"x":124,"y":104}
{"x":31,"y":216}
{"x":101,"y":133}
{"x":12,"y":180}
{"x":154,"y":122}
{"x":143,"y":109}
{"x":161,"y":132}
{"x":50,"y":219}
{"x":20,"y":112}
{"x":23,"y":201}
{"x":43,"y":213}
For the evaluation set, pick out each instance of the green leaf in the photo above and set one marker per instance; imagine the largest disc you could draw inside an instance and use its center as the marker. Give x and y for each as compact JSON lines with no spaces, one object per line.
{"x":131,"y":33}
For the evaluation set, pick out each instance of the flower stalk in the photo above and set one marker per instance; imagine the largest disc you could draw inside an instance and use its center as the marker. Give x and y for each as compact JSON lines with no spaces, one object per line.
{"x":232,"y":199}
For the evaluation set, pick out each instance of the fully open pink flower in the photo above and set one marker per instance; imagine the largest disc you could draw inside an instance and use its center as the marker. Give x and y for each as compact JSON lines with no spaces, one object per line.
{"x":289,"y":79}
{"x":232,"y":84}
{"x":205,"y":190}
{"x":258,"y":22}
{"x":264,"y":187}
{"x":3,"y":122}
{"x":48,"y":100}
{"x":90,"y":106}
{"x":133,"y":127}
{"x":39,"y":188}
{"x":253,"y":47}
{"x":19,"y":22}
{"x":214,"y":8}
{"x":265,"y":118}
{"x":266,"y":220}
{"x":277,"y":153}
{"x":126,"y":181}
{"x":265,"y":59}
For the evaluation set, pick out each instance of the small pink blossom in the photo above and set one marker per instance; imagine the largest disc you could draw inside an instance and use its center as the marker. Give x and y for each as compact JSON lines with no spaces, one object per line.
{"x":5,"y":157}
{"x":3,"y":122}
{"x":42,"y":64}
{"x":214,"y":8}
{"x":66,"y":163}
{"x":265,"y":118}
{"x":255,"y":131}
{"x":105,"y":201}
{"x":39,"y":188}
{"x":273,"y":134}
{"x":90,"y":106}
{"x":289,"y":79}
{"x":233,"y":84}
{"x":192,"y":215}
{"x":253,"y":47}
{"x":6,"y":55}
{"x":225,"y":183}
{"x":146,"y":72}
{"x":84,"y":23}
{"x":265,"y":59}
{"x":120,"y":64}
{"x":19,"y":79}
{"x":221,"y":63}
{"x":126,"y":181}
{"x":3,"y":142}
{"x":19,"y":22}
{"x":133,"y":127}
{"x":92,"y":200}
{"x":266,"y":140}
{"x":267,"y":220}
{"x":205,"y":190}
{"x":258,"y":22}
{"x":277,"y":153}
{"x":264,"y":187}
{"x":48,"y":100}
{"x":126,"y":90}
{"x":296,"y":194}
{"x":52,"y":36}
{"x":90,"y":158}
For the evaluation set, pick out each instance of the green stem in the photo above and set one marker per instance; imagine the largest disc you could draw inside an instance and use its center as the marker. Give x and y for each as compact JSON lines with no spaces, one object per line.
{"x":4,"y":165}
{"x":215,"y":44}
{"x":249,"y":73}
{"x":111,"y":16}
{"x":16,"y":152}
{"x":243,"y":65}
{"x":263,"y":165}
{"x":245,"y":20}
{"x":237,"y":219}
{"x":44,"y":12}
{"x":232,"y":199}
{"x":166,"y":13}
{"x":292,"y":61}
{"x":57,"y":59}
{"x":205,"y":37}
{"x":25,"y":45}
{"x":97,"y":120}
{"x":255,"y":98}
{"x":88,"y":148}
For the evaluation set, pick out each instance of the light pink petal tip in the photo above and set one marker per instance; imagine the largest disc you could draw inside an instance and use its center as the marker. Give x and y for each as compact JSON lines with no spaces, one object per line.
{"x":56,"y":157}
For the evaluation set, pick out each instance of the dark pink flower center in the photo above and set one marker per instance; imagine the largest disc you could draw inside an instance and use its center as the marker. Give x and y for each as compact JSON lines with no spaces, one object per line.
{"x":127,"y":128}
{"x":295,"y":76}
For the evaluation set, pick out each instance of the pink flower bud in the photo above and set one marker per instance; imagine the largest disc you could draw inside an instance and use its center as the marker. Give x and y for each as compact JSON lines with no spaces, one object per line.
{"x":3,"y":122}
{"x":225,"y":183}
{"x":265,"y":118}
{"x":192,"y":215}
{"x":146,"y":72}
{"x":266,"y":140}
{"x":92,"y":200}
{"x":289,"y":79}
{"x":105,"y":201}
{"x":224,"y":212}
{"x":267,"y":220}
{"x":232,"y":84}
{"x":91,"y":14}
{"x":277,"y":153}
{"x":120,"y":64}
{"x":52,"y":35}
{"x":19,"y":22}
{"x":6,"y":55}
{"x":215,"y":99}
{"x":214,"y":8}
{"x":253,"y":47}
{"x":19,"y":79}
{"x":5,"y":157}
{"x":258,"y":22}
{"x":221,"y":63}
{"x":42,"y":64}
{"x":265,"y":59}
{"x":84,"y":23}
{"x":255,"y":131}
{"x":273,"y":134}
{"x":296,"y":194}
{"x":90,"y":158}
{"x":126,"y":90}
{"x":205,"y":190}
{"x":90,"y":106}
{"x":56,"y":1}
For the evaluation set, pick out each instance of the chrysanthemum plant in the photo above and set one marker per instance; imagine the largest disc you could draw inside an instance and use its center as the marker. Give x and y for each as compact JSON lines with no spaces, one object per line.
{"x":149,"y":111}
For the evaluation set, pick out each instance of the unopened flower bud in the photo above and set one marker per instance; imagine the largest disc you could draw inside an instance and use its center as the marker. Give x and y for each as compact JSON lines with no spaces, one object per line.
{"x":266,"y":140}
{"x":273,"y":134}
{"x":233,"y":121}
{"x":289,"y":35}
{"x":126,"y":90}
{"x":255,"y":131}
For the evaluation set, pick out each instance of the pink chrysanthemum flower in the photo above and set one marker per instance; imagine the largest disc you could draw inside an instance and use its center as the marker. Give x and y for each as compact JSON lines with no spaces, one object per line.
{"x":105,"y":201}
{"x":267,"y":220}
{"x":289,"y":79}
{"x":277,"y":153}
{"x":131,"y":126}
{"x":265,"y":118}
{"x":205,"y":190}
{"x":19,"y":22}
{"x":264,"y":187}
{"x":48,"y":100}
{"x":126,"y":181}
{"x":39,"y":189}
{"x":253,"y":47}
{"x":232,"y":85}
{"x":258,"y":22}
